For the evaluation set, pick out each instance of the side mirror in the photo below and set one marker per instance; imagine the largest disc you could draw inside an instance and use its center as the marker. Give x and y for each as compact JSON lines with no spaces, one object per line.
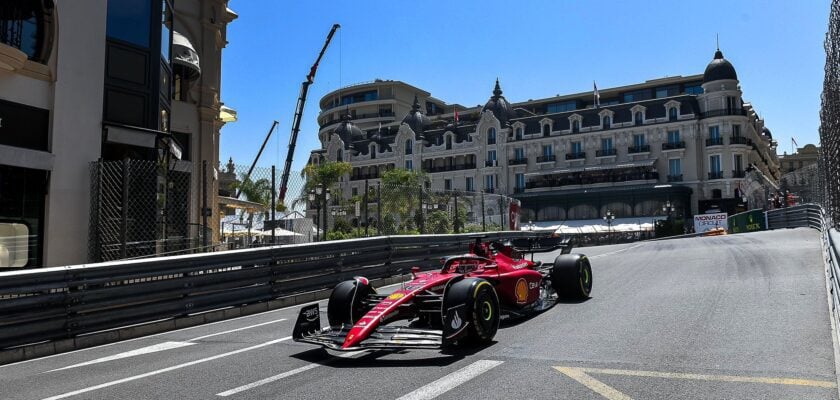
{"x":414,"y":271}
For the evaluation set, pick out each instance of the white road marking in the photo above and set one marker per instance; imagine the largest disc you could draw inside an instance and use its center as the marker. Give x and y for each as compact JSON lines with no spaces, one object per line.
{"x":236,"y":330}
{"x":164,"y":370}
{"x":617,"y":251}
{"x":141,"y":351}
{"x":267,"y":380}
{"x":451,"y":381}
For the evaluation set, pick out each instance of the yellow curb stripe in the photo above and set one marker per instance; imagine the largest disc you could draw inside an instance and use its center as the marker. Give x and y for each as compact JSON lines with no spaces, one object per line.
{"x":706,"y":377}
{"x":595,"y":385}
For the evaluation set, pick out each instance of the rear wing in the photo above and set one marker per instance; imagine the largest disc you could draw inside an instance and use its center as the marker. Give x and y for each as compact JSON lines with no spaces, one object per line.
{"x":542,"y":244}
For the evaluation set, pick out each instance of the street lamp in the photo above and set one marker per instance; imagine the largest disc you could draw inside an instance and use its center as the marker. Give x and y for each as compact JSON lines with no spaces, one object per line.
{"x":608,"y":218}
{"x":317,"y":195}
{"x":668,"y":208}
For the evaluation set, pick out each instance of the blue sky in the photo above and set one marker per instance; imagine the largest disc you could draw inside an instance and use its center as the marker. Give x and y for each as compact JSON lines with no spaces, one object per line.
{"x":456,"y":50}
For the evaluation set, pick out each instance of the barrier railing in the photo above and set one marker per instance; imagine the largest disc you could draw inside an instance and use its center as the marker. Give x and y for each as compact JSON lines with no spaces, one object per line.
{"x":802,"y":216}
{"x":62,"y":302}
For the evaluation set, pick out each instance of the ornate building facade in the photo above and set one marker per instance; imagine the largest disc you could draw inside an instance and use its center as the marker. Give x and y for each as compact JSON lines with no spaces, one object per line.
{"x":686,"y":141}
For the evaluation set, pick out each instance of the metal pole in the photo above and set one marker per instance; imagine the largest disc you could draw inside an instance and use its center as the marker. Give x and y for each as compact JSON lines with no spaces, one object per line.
{"x":456,"y":213}
{"x":483,"y":216}
{"x":378,"y":208}
{"x":367,"y":222}
{"x":124,"y":217}
{"x":324,"y":221}
{"x":318,"y":219}
{"x":422,"y":217}
{"x":273,"y":204}
{"x":204,"y":202}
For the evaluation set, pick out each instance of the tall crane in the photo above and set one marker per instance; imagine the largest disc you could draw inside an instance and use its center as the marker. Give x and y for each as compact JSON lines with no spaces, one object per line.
{"x":304,"y":89}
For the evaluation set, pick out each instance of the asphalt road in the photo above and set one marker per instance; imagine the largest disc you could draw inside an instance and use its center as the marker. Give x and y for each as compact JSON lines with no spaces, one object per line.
{"x":735,"y":317}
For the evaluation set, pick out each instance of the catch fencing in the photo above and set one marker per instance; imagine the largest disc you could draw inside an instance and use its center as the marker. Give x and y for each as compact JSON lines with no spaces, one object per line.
{"x":63,"y":302}
{"x":830,"y":117}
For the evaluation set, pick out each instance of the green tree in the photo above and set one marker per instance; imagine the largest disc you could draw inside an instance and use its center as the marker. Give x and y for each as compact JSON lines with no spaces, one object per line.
{"x":401,"y":192}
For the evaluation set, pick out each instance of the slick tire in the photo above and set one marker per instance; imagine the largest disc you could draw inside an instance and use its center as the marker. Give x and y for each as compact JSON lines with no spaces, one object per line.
{"x":347,"y":302}
{"x":571,"y":276}
{"x":471,"y":312}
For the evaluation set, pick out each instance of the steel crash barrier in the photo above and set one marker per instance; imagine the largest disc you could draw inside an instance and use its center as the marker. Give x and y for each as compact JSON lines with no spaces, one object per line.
{"x":801,"y":216}
{"x":63,"y":302}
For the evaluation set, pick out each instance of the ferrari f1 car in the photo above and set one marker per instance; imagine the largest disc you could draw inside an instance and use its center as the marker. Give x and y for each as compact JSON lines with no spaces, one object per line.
{"x":460,"y":304}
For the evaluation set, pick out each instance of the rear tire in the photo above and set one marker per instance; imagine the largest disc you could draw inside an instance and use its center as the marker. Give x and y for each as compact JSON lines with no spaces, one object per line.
{"x":571,"y":276}
{"x":346,"y":304}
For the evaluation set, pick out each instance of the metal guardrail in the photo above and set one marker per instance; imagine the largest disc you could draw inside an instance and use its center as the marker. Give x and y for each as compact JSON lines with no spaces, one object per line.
{"x":62,"y":302}
{"x":802,"y":216}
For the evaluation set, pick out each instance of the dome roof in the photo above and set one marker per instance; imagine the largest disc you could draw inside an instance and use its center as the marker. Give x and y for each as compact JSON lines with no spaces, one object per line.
{"x":415,"y":119}
{"x":720,"y":68}
{"x":766,"y":132}
{"x":348,"y":132}
{"x":499,"y":106}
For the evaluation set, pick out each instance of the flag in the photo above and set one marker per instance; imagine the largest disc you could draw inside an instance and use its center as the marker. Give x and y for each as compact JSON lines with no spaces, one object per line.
{"x":456,"y":116}
{"x":596,"y":94}
{"x":792,"y":140}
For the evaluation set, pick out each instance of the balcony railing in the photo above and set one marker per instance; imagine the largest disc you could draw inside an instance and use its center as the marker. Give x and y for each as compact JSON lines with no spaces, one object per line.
{"x":673,"y":145}
{"x":447,"y":168}
{"x":645,"y":148}
{"x":550,"y":158}
{"x":716,"y":175}
{"x":518,"y":161}
{"x":738,"y":173}
{"x":575,"y":156}
{"x":490,"y":190}
{"x":675,"y":178}
{"x":359,"y":177}
{"x":605,"y":153}
{"x":723,"y":112}
{"x":491,"y":163}
{"x":718,"y":141}
{"x":740,"y":140}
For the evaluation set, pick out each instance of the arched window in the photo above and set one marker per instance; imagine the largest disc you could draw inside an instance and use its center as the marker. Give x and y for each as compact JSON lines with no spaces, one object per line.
{"x":372,"y":151}
{"x":546,"y":130}
{"x":28,"y":27}
{"x":575,"y":126}
{"x":491,"y":136}
{"x":672,"y":114}
{"x":638,"y":118}
{"x":409,"y":149}
{"x":607,"y":122}
{"x":449,"y":143}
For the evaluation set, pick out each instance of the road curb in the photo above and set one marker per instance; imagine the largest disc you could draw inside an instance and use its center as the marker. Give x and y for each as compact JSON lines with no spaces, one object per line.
{"x":32,"y":351}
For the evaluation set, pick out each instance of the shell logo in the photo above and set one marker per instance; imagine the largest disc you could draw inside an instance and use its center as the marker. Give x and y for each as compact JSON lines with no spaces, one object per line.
{"x":396,"y":296}
{"x":521,"y":291}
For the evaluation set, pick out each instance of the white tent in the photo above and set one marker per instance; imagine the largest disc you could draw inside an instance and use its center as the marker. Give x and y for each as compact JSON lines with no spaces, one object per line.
{"x":596,"y":225}
{"x":278,"y":232}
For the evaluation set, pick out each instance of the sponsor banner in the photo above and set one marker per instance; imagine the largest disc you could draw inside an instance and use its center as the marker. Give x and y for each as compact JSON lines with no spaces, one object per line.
{"x":706,"y":222}
{"x":749,"y":221}
{"x":513,"y":215}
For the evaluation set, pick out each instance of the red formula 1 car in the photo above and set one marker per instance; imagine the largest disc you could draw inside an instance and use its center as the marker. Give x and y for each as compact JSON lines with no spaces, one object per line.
{"x":460,"y":304}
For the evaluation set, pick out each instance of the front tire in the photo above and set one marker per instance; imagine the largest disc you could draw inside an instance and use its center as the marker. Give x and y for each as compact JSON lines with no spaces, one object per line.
{"x":571,"y":276}
{"x":471,"y":312}
{"x":346,"y":304}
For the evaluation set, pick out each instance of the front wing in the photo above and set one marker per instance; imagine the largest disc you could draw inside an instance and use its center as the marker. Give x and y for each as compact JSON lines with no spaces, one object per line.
{"x":308,"y":330}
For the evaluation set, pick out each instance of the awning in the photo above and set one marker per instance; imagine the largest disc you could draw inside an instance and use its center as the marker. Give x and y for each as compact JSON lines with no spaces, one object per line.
{"x":583,"y":168}
{"x":185,"y":55}
{"x":227,"y":114}
{"x":241,"y":204}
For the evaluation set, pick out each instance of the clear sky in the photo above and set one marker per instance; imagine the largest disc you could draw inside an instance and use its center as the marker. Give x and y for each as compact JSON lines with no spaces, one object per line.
{"x":456,"y":50}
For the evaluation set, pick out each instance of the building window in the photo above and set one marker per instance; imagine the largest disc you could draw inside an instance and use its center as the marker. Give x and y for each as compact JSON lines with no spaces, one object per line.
{"x":738,"y":163}
{"x":575,"y":126}
{"x":672,"y":114}
{"x":715,"y":170}
{"x":736,"y":130}
{"x":447,"y":184}
{"x":519,"y":153}
{"x":667,"y":91}
{"x":638,"y":141}
{"x":519,"y":133}
{"x":339,"y":155}
{"x":491,"y":158}
{"x":638,"y":118}
{"x":21,"y":216}
{"x":520,"y":181}
{"x":27,"y":26}
{"x":409,"y":149}
{"x":449,"y":143}
{"x":547,"y":150}
{"x":372,"y":151}
{"x":714,"y":132}
{"x":673,"y":137}
{"x":606,"y":122}
{"x":409,"y":165}
{"x":128,"y":20}
{"x":354,"y":191}
{"x":674,"y":167}
{"x":561,"y":107}
{"x":491,"y":136}
{"x":546,"y":130}
{"x":606,"y":144}
{"x":577,"y":148}
{"x":694,"y":89}
{"x":489,"y":182}
{"x":469,"y":184}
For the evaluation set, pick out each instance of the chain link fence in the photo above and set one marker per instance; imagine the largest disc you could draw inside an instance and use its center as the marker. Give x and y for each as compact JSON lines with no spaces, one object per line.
{"x":830,"y":117}
{"x":140,"y":209}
